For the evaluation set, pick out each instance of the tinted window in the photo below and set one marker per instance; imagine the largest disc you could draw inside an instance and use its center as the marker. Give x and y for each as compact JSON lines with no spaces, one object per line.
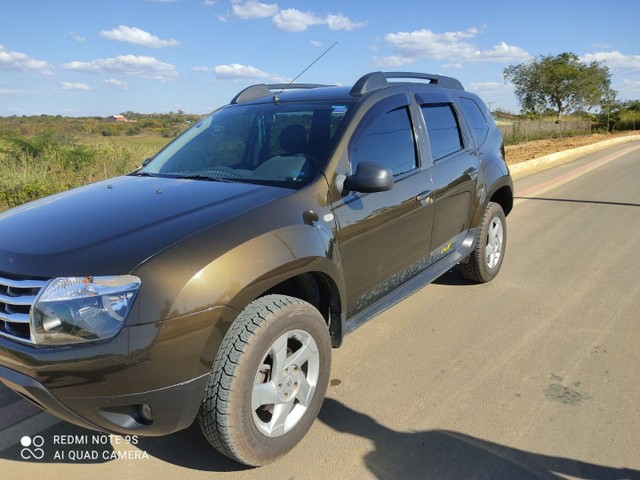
{"x":475,"y":119}
{"x":280,"y":144}
{"x":387,"y":141}
{"x":443,"y":130}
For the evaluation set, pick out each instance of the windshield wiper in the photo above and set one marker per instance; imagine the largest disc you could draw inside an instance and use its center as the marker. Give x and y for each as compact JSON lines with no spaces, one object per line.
{"x":204,"y":177}
{"x":141,"y":174}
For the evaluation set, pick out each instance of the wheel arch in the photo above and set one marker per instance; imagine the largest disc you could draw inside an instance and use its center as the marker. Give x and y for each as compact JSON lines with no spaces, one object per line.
{"x":504,"y":197}
{"x":313,"y":286}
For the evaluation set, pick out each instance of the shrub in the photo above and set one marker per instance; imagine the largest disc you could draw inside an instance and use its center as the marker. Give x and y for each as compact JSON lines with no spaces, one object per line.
{"x":26,"y":190}
{"x":527,"y":130}
{"x":34,"y":167}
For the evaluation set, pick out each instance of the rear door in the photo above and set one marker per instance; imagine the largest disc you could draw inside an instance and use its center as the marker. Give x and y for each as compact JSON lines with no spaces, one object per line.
{"x":384,"y":236}
{"x":455,"y":171}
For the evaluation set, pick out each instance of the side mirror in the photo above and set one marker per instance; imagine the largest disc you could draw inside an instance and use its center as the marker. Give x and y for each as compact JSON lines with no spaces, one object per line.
{"x":369,"y":178}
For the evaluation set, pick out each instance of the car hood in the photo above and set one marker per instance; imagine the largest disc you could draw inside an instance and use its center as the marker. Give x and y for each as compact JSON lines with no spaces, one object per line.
{"x":109,"y":227}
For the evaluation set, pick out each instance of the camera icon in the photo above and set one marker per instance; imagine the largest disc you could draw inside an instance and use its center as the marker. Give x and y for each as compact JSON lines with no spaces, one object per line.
{"x":32,"y":447}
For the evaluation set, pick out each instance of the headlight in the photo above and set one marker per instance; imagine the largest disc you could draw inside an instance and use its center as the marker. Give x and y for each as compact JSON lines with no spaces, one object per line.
{"x":82,"y":309}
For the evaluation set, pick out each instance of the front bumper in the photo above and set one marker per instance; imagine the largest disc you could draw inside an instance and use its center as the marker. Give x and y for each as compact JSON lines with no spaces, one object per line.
{"x":175,"y":406}
{"x":149,"y":380}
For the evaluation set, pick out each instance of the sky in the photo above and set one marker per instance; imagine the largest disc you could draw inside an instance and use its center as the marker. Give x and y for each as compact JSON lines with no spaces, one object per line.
{"x":98,"y":57}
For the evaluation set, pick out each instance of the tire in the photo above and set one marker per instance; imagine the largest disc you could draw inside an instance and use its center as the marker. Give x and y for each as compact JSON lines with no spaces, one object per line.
{"x":486,"y":259}
{"x":268,"y":380}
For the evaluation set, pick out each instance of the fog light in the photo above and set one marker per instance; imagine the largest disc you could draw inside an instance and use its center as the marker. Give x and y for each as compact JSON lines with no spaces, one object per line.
{"x":146,"y":413}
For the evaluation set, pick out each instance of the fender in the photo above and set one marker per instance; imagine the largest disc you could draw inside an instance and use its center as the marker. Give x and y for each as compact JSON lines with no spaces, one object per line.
{"x":496,"y":177}
{"x":262,"y":263}
{"x":238,"y":267}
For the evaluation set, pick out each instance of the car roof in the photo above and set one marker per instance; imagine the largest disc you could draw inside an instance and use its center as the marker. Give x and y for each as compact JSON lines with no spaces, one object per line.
{"x":261,"y":93}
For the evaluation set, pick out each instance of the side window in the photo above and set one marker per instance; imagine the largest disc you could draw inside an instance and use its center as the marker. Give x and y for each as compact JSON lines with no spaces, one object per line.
{"x":443,"y":129}
{"x":475,"y":119}
{"x":388,"y":141}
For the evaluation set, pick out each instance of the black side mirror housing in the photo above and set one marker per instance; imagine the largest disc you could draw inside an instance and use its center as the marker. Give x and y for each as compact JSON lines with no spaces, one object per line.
{"x":369,"y":178}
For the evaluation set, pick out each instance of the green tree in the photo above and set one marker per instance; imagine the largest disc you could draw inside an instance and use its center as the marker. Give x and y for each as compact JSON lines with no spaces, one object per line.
{"x":562,"y":83}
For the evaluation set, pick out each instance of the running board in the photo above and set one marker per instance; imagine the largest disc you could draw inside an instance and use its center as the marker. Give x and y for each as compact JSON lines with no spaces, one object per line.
{"x":422,"y":279}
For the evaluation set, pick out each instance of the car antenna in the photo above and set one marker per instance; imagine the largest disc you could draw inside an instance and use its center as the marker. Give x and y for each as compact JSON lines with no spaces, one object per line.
{"x":313,"y":63}
{"x":275,"y":97}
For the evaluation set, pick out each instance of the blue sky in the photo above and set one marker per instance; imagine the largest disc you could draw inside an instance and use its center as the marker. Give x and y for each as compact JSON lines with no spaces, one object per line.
{"x":96,"y":57}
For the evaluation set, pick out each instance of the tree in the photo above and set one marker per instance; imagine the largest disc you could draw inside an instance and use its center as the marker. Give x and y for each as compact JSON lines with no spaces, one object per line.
{"x":610,"y":108}
{"x":562,"y":83}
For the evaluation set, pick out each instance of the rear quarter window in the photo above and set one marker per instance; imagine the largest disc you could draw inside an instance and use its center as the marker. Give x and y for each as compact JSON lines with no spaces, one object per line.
{"x":475,"y":119}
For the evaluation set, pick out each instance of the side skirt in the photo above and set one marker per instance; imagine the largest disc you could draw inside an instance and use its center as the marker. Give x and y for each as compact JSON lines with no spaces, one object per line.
{"x":431,"y":273}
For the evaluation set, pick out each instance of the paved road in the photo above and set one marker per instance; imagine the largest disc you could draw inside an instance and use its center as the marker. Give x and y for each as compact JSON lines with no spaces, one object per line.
{"x":535,"y":375}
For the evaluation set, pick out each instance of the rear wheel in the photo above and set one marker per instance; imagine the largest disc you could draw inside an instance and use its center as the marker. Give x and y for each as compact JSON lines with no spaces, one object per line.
{"x":486,"y":259}
{"x":268,"y":380}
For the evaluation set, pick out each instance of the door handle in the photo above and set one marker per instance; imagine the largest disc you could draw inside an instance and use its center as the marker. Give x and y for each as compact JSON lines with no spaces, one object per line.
{"x":425,"y":198}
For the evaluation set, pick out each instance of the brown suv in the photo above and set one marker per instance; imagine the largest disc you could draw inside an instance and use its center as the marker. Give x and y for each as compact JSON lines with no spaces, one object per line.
{"x":213,"y":281}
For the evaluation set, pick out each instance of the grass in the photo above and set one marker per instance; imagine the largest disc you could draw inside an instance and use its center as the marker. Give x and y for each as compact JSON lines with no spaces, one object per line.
{"x":34,"y":167}
{"x":516,"y":132}
{"x":141,"y":141}
{"x":42,"y":155}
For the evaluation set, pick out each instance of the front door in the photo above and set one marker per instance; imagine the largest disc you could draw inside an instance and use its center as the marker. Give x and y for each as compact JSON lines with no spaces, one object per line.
{"x":384,"y":236}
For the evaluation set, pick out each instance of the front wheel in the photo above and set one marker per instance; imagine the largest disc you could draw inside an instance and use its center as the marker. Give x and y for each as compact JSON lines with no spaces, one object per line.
{"x":268,"y":380}
{"x":486,"y":259}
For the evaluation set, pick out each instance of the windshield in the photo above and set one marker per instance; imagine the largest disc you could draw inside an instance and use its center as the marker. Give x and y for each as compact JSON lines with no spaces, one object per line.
{"x":280,"y":144}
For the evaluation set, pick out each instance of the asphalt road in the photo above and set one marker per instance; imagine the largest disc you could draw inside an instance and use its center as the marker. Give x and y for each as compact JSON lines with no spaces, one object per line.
{"x":534,"y":375}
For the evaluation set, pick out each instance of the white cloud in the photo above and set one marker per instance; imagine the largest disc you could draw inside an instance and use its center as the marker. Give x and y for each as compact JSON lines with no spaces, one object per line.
{"x":209,"y":3}
{"x":628,"y":85}
{"x":236,"y":71}
{"x":501,"y":53}
{"x":76,"y":37}
{"x":10,"y":92}
{"x":393,"y":61}
{"x":316,"y":43}
{"x":602,"y":46}
{"x":19,"y":61}
{"x":253,"y":9}
{"x":74,"y":86}
{"x":117,"y":83}
{"x":137,"y":36}
{"x":615,"y":60}
{"x":202,"y":68}
{"x":477,"y":86}
{"x":340,"y":22}
{"x":452,"y":47}
{"x":292,"y":20}
{"x":490,"y":87}
{"x":134,"y":65}
{"x":289,"y":19}
{"x":374,"y":47}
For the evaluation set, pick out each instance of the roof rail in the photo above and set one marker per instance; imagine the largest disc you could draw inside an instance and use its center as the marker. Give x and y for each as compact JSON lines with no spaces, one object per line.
{"x":374,"y":80}
{"x":262,"y":90}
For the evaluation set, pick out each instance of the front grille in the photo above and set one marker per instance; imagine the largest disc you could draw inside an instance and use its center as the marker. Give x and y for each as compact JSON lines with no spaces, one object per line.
{"x":16,"y":298}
